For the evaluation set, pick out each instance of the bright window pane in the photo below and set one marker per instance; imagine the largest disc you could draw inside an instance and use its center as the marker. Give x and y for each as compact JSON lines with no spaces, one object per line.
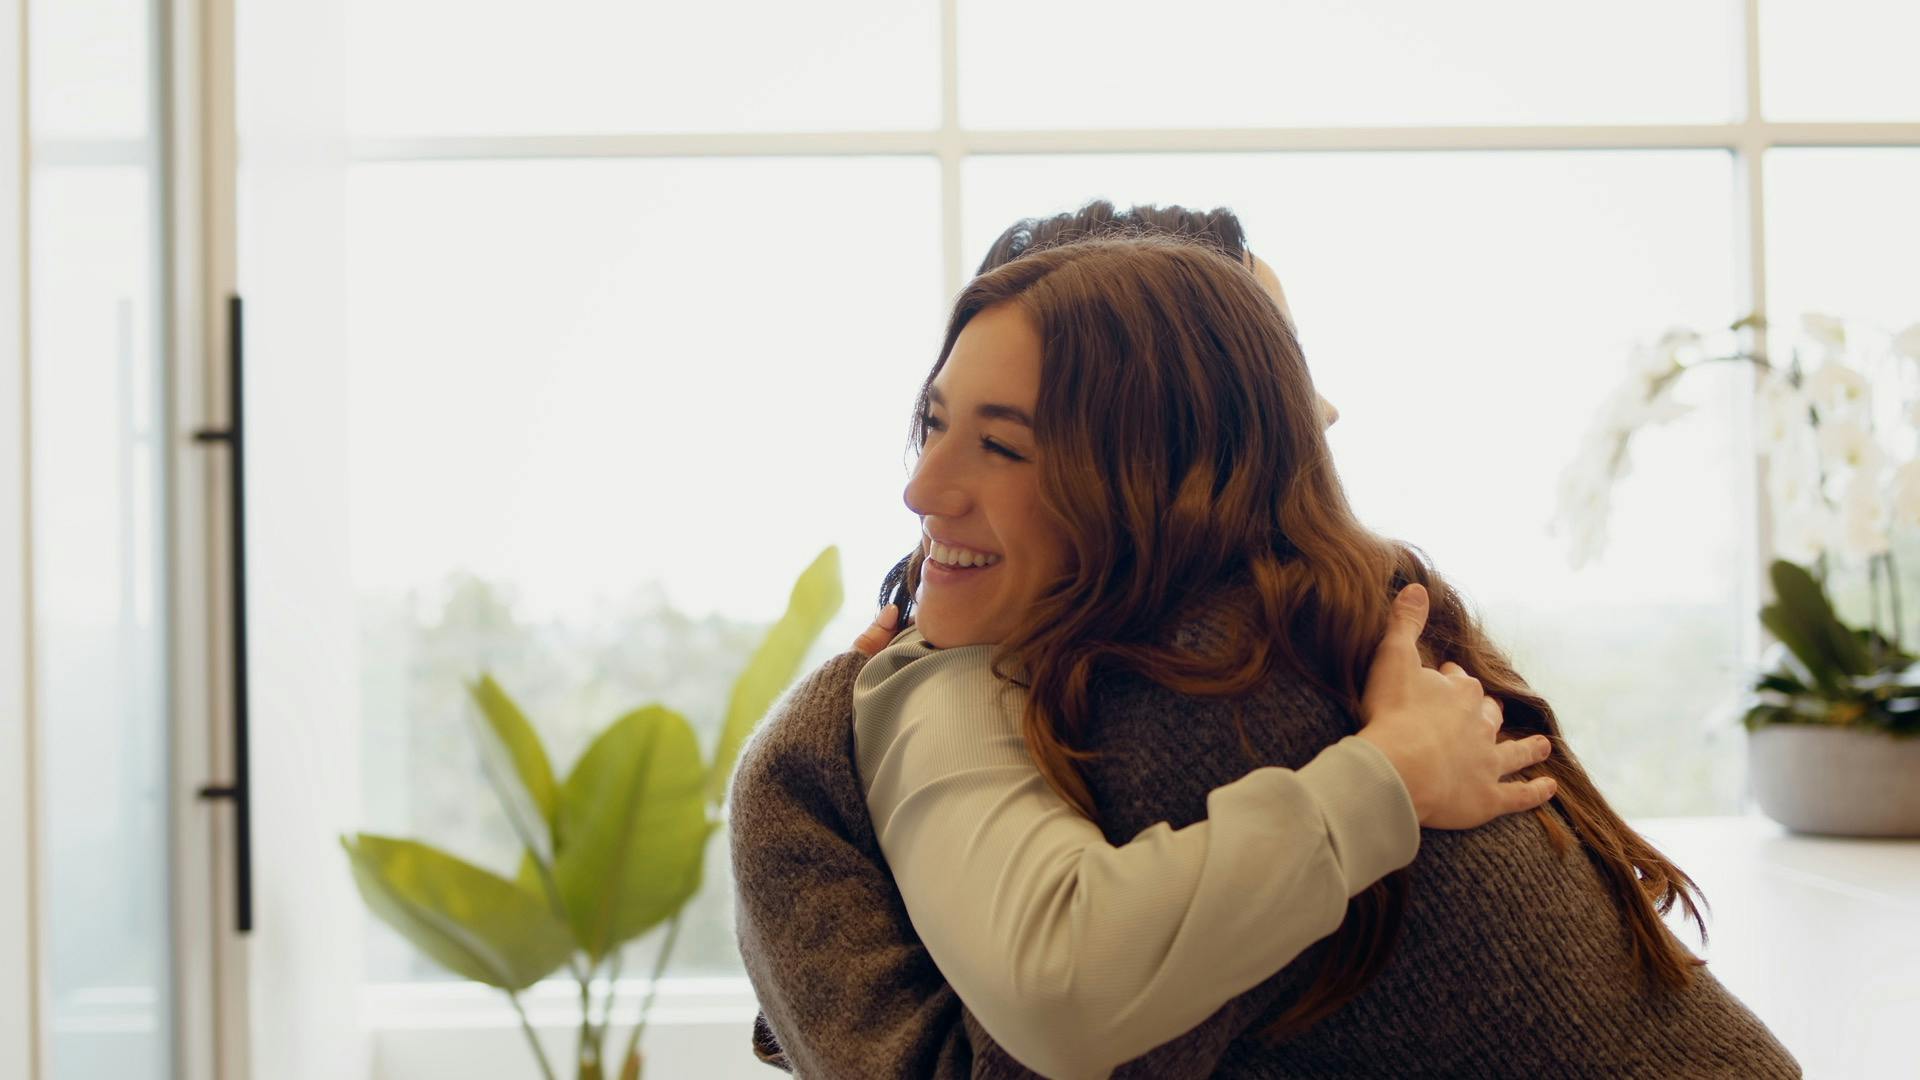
{"x":1234,"y":63}
{"x":455,"y":67}
{"x":90,"y":69}
{"x":1466,"y":312}
{"x":604,"y":412}
{"x":1842,"y":231}
{"x":99,"y":533}
{"x":105,"y":801}
{"x":1840,"y":59}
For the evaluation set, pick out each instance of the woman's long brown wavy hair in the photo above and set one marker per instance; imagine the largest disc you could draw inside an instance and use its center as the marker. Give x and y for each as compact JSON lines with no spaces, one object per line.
{"x":1180,"y":447}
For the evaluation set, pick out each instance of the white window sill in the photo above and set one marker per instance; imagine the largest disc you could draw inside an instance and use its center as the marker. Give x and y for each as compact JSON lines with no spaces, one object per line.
{"x":700,"y":1027}
{"x":1816,"y":935}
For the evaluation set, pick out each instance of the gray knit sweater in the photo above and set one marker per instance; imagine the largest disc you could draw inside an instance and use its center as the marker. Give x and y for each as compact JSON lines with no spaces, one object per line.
{"x":1512,"y":961}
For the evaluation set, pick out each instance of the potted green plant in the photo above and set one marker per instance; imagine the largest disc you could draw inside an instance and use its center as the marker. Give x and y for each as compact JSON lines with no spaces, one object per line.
{"x":1832,"y":717}
{"x":611,"y":851}
{"x":1833,"y":720}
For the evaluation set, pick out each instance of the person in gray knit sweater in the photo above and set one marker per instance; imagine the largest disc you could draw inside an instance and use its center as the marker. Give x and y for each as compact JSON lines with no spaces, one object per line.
{"x":1511,"y":928}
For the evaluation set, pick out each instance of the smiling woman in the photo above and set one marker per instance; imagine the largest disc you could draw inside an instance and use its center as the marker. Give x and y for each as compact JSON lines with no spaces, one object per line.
{"x":992,"y":543}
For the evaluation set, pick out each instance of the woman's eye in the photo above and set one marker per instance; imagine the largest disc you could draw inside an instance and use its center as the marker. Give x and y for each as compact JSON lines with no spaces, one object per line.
{"x":931,"y":423}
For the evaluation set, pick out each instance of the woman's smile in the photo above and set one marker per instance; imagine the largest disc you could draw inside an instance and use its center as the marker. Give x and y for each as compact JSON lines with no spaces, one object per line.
{"x":939,"y":573}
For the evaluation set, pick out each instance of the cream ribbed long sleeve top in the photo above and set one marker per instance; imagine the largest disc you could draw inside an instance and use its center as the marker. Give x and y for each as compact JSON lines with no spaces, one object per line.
{"x":1074,"y":954}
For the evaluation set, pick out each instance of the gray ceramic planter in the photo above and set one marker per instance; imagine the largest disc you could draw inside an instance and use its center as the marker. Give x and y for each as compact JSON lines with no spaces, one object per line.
{"x":1836,"y":781}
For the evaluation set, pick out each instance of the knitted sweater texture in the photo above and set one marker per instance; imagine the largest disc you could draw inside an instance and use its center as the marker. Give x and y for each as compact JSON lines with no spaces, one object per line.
{"x":1512,"y":960}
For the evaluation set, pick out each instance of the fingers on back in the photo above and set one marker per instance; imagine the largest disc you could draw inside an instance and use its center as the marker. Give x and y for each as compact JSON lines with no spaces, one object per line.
{"x":1518,"y":795}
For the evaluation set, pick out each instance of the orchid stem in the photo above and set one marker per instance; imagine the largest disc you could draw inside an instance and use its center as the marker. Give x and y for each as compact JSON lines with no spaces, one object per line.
{"x":1873,"y":594}
{"x":1893,"y":599}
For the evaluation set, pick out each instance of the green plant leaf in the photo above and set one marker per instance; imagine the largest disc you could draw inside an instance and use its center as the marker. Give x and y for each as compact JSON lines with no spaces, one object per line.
{"x":1760,"y":715}
{"x":632,"y":829}
{"x":1805,"y":604}
{"x":1879,"y":646}
{"x":1780,"y":682}
{"x":815,"y":601}
{"x":469,"y":920}
{"x":1793,"y":635}
{"x":516,"y":765}
{"x":528,"y":877}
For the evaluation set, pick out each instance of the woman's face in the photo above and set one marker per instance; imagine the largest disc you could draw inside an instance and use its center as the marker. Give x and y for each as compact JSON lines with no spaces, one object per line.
{"x":991,"y":546}
{"x":976,"y":487}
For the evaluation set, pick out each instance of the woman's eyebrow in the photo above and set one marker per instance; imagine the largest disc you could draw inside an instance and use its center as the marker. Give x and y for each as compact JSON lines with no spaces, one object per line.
{"x":990,"y":410}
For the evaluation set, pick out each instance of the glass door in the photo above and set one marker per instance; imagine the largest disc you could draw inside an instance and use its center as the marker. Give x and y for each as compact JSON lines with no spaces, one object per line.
{"x":96,"y":308}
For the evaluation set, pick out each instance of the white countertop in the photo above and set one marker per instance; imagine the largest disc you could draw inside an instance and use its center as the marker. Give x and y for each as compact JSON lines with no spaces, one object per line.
{"x":1819,"y":936}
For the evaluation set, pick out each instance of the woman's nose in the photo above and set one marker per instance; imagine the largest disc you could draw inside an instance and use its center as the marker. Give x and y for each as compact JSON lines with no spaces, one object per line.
{"x":934,"y":490}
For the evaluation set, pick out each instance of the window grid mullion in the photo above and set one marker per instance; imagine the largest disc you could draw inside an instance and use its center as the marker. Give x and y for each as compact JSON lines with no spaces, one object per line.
{"x":1749,"y":178}
{"x":952,"y":139}
{"x":952,"y":149}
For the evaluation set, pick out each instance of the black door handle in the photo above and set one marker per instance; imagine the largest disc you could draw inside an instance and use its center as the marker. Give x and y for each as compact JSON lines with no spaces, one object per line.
{"x":240,"y":790}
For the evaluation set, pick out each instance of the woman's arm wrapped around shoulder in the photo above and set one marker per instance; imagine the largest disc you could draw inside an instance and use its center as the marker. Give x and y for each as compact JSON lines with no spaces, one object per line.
{"x":1075,"y":954}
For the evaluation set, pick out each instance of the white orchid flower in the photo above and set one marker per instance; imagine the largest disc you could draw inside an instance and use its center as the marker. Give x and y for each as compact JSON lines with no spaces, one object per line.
{"x":1636,"y":403}
{"x":1906,"y":494}
{"x":1586,"y":538}
{"x":1907,"y":342}
{"x":1801,"y":533}
{"x":1619,"y":412}
{"x":1838,"y":387}
{"x":1863,"y":518}
{"x":1672,"y":351}
{"x":1585,"y":497}
{"x":1783,"y":411}
{"x":1588,"y":479}
{"x":1793,"y":471}
{"x":1848,"y":445}
{"x":1825,"y":329}
{"x":1649,"y":361}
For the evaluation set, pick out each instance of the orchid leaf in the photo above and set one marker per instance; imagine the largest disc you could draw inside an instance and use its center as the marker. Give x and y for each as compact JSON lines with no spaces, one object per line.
{"x":1804,"y":603}
{"x":1780,"y":682}
{"x":1793,"y":635}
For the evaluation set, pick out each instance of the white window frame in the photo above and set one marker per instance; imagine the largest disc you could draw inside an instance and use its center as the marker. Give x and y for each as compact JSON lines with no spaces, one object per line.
{"x":21,"y":981}
{"x":708,"y":1015}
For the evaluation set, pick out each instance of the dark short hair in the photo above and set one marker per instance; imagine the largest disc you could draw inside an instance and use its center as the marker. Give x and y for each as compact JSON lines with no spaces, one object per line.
{"x":1218,"y":229}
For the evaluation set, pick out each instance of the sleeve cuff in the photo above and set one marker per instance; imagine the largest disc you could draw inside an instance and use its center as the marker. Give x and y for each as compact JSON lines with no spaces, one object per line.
{"x":1370,"y":818}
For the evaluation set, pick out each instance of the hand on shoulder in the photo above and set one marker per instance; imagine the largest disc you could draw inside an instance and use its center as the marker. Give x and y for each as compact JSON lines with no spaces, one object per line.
{"x":1441,"y":731}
